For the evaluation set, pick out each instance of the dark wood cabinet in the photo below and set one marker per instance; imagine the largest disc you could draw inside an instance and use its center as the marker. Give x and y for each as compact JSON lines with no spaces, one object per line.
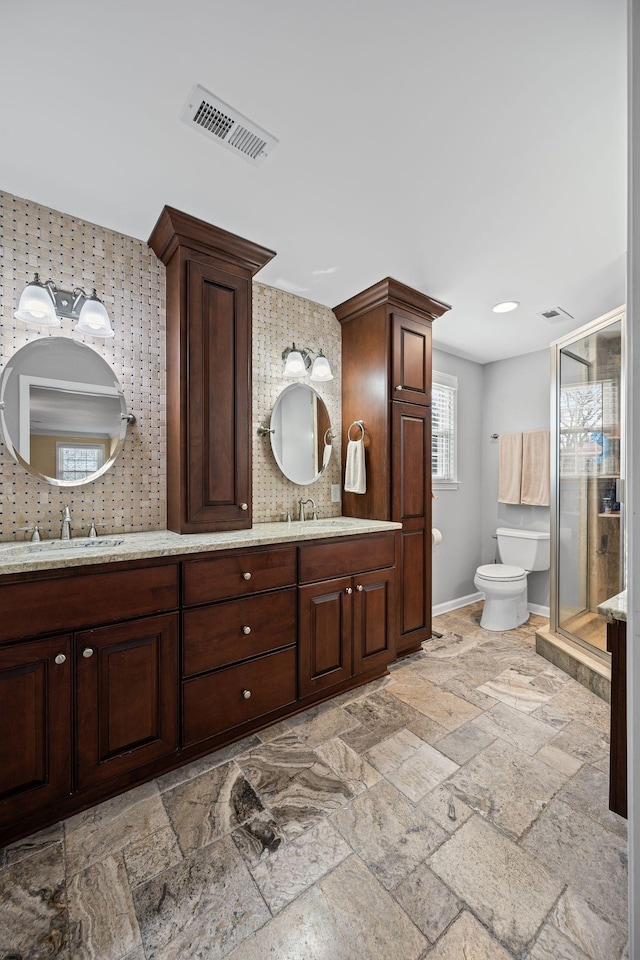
{"x":346,"y":624}
{"x":35,"y":719}
{"x":209,"y":273}
{"x":127,"y":696}
{"x":386,"y":381}
{"x":617,"y":647}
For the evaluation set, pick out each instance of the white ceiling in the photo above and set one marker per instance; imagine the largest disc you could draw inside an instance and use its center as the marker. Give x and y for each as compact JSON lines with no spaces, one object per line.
{"x":473,"y":149}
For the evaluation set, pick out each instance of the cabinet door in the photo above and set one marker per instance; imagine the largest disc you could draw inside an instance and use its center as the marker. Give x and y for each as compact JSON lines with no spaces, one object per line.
{"x":411,"y":360}
{"x":411,"y":506}
{"x":373,"y":620}
{"x":127,"y":696}
{"x":35,"y":719}
{"x":325,"y":614}
{"x":219,"y":387}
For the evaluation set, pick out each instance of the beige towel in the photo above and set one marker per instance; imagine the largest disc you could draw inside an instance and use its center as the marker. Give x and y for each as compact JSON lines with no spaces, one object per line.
{"x":535,"y":467}
{"x":509,"y":467}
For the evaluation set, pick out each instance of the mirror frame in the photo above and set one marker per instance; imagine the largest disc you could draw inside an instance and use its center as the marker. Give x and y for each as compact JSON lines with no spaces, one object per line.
{"x":14,"y":446}
{"x":289,"y":388}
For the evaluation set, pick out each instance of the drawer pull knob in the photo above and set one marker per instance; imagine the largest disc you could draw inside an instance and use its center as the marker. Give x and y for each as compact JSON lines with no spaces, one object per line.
{"x":246,"y":629}
{"x":246,"y":576}
{"x":60,"y":658}
{"x":359,"y":588}
{"x":399,"y":387}
{"x":244,"y":506}
{"x":246,"y":694}
{"x":87,"y":652}
{"x":349,"y":590}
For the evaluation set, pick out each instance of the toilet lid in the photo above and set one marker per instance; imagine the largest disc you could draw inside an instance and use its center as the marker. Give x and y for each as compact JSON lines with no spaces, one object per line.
{"x":500,"y":571}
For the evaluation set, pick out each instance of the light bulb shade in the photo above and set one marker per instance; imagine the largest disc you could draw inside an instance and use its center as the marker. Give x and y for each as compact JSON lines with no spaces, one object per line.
{"x":36,"y":306}
{"x":321,"y":369}
{"x":294,"y":365}
{"x":94,"y":319}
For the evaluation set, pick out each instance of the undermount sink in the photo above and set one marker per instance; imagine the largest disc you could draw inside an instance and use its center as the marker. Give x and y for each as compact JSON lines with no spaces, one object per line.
{"x":332,"y":522}
{"x":56,"y":546}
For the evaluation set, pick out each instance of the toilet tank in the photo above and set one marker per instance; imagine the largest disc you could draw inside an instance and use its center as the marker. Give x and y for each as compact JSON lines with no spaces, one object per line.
{"x":528,"y":549}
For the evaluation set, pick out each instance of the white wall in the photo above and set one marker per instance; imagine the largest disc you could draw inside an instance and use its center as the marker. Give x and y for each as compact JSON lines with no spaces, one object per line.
{"x":516,"y":396}
{"x":458,"y":513}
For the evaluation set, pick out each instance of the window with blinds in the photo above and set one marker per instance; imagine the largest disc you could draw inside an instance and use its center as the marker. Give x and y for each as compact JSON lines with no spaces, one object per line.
{"x":444,"y":440}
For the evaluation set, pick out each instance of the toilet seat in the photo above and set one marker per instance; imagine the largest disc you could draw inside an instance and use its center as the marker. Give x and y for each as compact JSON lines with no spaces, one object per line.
{"x":502,"y":572}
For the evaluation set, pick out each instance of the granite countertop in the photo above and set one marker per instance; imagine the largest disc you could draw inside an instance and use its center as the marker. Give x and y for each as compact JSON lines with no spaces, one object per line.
{"x":24,"y":557}
{"x":615,"y":608}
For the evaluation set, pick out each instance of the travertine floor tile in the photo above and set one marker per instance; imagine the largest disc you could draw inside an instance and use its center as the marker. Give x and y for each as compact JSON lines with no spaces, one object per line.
{"x":588,"y":792}
{"x":596,"y":935}
{"x":23,"y":849}
{"x":445,"y":708}
{"x":202,"y":907}
{"x":552,"y":945}
{"x":465,"y":742}
{"x":519,"y":729}
{"x":583,"y":854}
{"x":321,"y":723}
{"x":506,"y":786}
{"x":347,"y":765}
{"x":506,"y":888}
{"x":559,"y":760}
{"x":151,"y":854}
{"x":517,"y":689}
{"x":33,"y":906}
{"x":383,"y":713}
{"x":443,"y":806}
{"x":427,"y":901}
{"x":584,"y":742}
{"x":388,"y":832}
{"x":390,"y":753}
{"x":102,"y":920}
{"x":422,"y":772}
{"x":345,"y":916}
{"x":468,"y":940}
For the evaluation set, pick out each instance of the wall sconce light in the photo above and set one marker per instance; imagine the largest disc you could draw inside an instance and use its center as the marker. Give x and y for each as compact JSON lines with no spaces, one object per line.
{"x":42,"y":305}
{"x":297,"y":362}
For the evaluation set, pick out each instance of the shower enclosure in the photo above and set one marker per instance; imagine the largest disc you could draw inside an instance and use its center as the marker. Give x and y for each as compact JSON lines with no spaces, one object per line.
{"x":587,"y":466}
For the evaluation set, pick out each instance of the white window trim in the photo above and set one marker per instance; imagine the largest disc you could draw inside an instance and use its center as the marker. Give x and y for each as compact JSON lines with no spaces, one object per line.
{"x":448,"y":380}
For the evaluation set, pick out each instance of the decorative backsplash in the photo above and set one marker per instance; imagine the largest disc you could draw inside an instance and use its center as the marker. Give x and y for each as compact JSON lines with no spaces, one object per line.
{"x":279,"y":319}
{"x":131,"y":496}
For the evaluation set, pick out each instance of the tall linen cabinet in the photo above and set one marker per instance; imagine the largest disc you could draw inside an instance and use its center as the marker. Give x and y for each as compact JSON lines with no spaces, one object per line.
{"x":386,"y":382}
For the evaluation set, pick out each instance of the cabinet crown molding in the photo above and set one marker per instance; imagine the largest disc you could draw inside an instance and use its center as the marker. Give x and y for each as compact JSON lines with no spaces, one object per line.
{"x":175,"y":228}
{"x":394,"y":293}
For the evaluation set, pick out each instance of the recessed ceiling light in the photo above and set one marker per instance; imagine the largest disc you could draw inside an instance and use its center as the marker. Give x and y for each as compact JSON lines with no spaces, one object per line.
{"x":506,"y":306}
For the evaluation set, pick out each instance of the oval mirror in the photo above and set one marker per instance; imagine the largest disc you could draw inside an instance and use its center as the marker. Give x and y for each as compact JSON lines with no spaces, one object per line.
{"x":301,"y":433}
{"x":62,"y":411}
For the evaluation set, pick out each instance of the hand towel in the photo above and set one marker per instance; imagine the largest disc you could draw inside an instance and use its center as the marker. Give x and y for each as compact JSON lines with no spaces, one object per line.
{"x":536,"y":468}
{"x":509,"y":467}
{"x":326,"y":455}
{"x":355,"y":475}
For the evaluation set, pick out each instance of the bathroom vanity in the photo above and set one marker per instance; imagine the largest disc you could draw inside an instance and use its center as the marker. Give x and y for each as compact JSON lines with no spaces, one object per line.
{"x":122,"y":661}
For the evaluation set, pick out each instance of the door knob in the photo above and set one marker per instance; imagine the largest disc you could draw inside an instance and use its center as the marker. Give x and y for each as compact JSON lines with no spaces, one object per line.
{"x":244,"y":506}
{"x":399,"y":387}
{"x":246,"y":694}
{"x":87,"y":652}
{"x":246,"y":576}
{"x":359,"y":588}
{"x":246,"y":629}
{"x":349,"y":590}
{"x":60,"y":658}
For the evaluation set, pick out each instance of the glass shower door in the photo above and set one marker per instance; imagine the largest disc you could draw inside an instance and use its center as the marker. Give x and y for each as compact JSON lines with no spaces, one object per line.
{"x":588,"y":540}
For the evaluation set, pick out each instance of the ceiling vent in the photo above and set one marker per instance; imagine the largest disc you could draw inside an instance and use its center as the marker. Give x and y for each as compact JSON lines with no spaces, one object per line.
{"x":217,"y":120}
{"x":555,"y":315}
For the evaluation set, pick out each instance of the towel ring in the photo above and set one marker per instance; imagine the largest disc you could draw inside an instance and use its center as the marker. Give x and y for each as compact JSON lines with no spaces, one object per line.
{"x":328,"y":436}
{"x":356,"y":423}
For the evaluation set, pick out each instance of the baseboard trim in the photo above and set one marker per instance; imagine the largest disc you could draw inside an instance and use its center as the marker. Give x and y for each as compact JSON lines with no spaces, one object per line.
{"x":450,"y":605}
{"x":541,"y":611}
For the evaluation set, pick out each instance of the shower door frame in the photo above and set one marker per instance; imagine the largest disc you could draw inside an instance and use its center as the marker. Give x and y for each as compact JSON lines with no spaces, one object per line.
{"x":555,"y":351}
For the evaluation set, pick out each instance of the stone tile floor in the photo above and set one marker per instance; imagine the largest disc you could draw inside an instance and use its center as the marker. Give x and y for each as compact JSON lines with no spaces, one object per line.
{"x":455,"y":810}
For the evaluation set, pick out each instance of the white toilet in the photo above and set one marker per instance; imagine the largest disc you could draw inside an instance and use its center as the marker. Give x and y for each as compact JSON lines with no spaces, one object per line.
{"x":505,"y":584}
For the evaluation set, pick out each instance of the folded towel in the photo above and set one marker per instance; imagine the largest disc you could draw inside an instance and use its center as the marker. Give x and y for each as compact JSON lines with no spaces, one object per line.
{"x":326,"y":455}
{"x":355,"y":474}
{"x":535,"y":468}
{"x":509,"y":467}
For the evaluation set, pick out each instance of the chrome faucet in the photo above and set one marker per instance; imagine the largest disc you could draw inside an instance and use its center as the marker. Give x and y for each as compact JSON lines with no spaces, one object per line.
{"x":65,"y":532}
{"x":301,"y":504}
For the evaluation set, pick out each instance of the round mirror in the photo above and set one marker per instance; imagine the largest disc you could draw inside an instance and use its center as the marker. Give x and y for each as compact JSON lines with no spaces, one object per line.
{"x":62,"y":411}
{"x":301,"y":433}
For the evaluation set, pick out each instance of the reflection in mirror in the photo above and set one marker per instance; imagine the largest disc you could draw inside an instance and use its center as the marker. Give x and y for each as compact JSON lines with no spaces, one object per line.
{"x":62,"y":411}
{"x":301,"y":433}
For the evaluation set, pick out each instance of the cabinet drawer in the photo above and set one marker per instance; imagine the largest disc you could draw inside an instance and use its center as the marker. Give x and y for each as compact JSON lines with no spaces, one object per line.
{"x":76,"y":599}
{"x":241,"y":573}
{"x":217,"y":702}
{"x":341,"y":558}
{"x":217,"y":635}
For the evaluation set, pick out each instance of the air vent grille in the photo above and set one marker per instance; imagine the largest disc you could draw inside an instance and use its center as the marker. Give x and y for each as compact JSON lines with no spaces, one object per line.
{"x":227,"y":126}
{"x":555,"y":315}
